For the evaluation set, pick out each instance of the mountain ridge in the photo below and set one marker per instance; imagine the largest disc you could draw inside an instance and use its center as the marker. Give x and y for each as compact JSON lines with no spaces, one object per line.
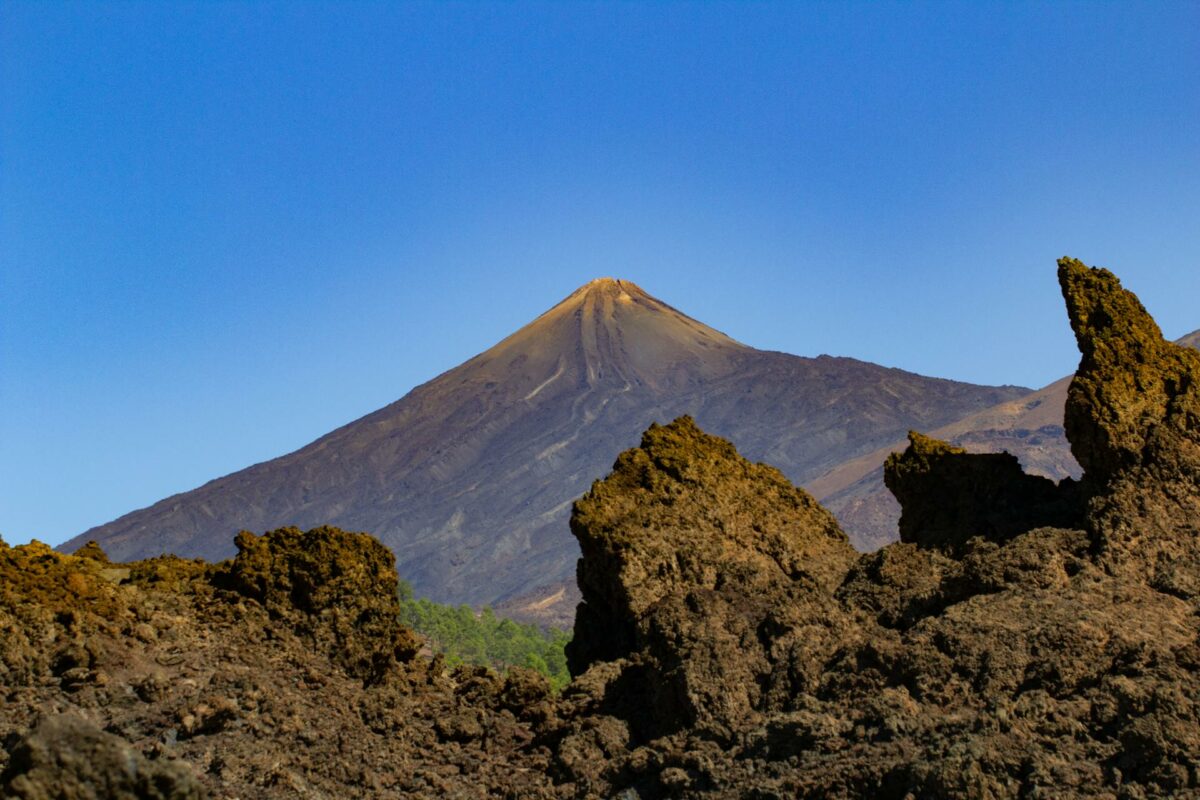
{"x":469,"y":476}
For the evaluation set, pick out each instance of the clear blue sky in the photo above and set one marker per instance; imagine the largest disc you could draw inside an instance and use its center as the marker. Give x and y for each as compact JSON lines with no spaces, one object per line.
{"x":226,"y":229}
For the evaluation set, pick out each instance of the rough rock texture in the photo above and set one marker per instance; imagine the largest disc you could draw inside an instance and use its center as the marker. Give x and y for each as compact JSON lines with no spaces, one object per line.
{"x":230,"y":671}
{"x":991,"y":655}
{"x":68,"y":758}
{"x":949,"y":496}
{"x":684,"y":512}
{"x":700,"y":572}
{"x":338,"y":588}
{"x":1134,"y":401}
{"x":1133,"y":418}
{"x":1030,"y":427}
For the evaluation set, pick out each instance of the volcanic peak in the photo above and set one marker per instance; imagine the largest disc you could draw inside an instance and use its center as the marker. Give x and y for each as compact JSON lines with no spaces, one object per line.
{"x":469,"y":478}
{"x":615,"y":327}
{"x":611,"y":287}
{"x":606,"y":282}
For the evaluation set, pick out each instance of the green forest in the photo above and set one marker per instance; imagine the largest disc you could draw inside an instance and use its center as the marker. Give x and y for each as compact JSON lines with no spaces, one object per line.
{"x":465,"y":636}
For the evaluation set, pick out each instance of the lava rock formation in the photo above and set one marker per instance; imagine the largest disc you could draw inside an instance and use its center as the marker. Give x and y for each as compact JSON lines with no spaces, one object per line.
{"x":1024,"y":639}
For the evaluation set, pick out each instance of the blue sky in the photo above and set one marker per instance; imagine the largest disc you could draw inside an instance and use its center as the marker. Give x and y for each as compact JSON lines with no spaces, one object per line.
{"x":226,"y":229}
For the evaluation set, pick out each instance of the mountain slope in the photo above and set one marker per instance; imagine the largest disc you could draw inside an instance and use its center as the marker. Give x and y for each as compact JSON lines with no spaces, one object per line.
{"x":469,"y":477}
{"x":1029,"y":427}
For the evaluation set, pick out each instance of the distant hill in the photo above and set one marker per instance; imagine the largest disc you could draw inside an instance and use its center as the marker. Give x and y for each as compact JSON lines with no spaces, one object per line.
{"x":469,"y":478}
{"x":1029,"y":427}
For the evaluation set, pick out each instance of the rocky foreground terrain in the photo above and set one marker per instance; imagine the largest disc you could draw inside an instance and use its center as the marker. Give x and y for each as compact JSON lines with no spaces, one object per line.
{"x":1025,"y":638}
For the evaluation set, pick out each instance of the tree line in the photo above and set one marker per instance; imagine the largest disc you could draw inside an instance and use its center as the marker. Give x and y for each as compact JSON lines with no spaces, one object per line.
{"x":466,"y":636}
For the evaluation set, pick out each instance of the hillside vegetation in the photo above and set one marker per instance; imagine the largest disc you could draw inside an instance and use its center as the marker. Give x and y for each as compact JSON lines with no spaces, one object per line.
{"x":464,"y":636}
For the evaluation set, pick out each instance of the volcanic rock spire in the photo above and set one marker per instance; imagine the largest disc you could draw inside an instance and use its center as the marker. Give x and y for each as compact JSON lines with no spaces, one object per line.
{"x":1135,"y":395}
{"x":702,"y":568}
{"x":1133,"y":418}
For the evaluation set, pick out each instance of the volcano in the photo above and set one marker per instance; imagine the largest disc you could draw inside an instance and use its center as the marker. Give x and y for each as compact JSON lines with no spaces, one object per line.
{"x":469,"y":478}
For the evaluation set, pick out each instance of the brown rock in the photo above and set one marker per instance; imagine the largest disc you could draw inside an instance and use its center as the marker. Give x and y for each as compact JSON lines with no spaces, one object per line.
{"x":339,"y":587}
{"x":1135,"y":397}
{"x":901,"y":584}
{"x":1133,"y":418}
{"x":707,"y":570}
{"x":68,"y":758}
{"x":995,"y":653}
{"x":948,"y":496}
{"x":252,"y":694}
{"x":681,"y":512}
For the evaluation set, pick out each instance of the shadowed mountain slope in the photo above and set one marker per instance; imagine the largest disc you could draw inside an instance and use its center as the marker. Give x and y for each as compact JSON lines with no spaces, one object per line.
{"x":1029,"y":427}
{"x":469,"y":478}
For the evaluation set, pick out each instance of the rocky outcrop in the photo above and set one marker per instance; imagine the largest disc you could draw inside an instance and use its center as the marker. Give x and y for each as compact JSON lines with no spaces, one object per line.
{"x":236,"y":673}
{"x":68,"y":758}
{"x":701,"y":573}
{"x":948,"y":496}
{"x":1133,"y":418}
{"x":1011,"y":646}
{"x":685,"y":512}
{"x":1029,"y":427}
{"x":1134,"y":401}
{"x":337,"y":588}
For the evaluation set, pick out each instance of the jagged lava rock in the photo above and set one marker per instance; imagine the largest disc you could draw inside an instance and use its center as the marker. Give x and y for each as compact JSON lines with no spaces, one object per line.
{"x":339,"y":587}
{"x":1135,"y":398}
{"x":250,"y":685}
{"x":999,"y":652}
{"x":68,"y":758}
{"x":685,"y":511}
{"x":1133,"y":418}
{"x":701,"y":573}
{"x":948,"y":496}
